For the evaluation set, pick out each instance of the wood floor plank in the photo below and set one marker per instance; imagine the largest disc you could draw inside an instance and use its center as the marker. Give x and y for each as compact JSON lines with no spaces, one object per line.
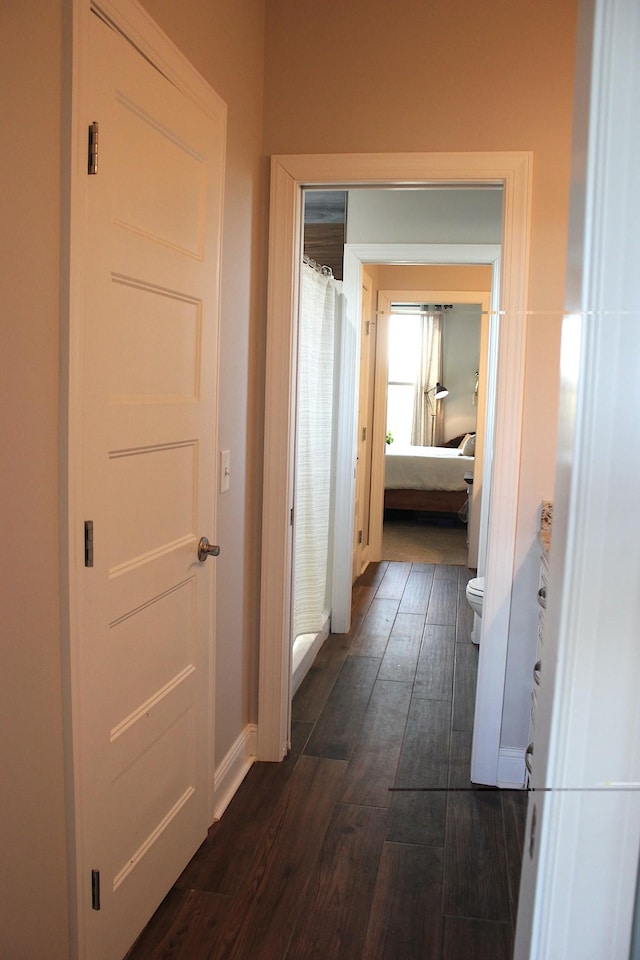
{"x":373,"y":766}
{"x":319,"y":681}
{"x":460,"y":760}
{"x":361,"y":597}
{"x":185,"y":925}
{"x":372,"y":576}
{"x":514,"y":816}
{"x":448,"y":571}
{"x":337,"y":901}
{"x":265,"y":910}
{"x":339,"y":724}
{"x":464,"y":685}
{"x":406,"y":914}
{"x":434,"y":673}
{"x":415,"y":598}
{"x":371,"y":636}
{"x":401,"y":655}
{"x":476,"y":940}
{"x":443,"y":602}
{"x":475,"y":868}
{"x":394,"y":581}
{"x":425,"y":749}
{"x":418,"y":815}
{"x":221,"y":863}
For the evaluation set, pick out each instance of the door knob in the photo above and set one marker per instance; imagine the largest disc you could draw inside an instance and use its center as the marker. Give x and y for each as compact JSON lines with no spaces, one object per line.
{"x":206,"y":549}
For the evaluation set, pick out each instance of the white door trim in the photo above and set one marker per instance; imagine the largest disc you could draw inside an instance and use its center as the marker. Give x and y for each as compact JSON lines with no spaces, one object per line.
{"x":130,"y":19}
{"x":356,"y":254}
{"x":289,"y":174}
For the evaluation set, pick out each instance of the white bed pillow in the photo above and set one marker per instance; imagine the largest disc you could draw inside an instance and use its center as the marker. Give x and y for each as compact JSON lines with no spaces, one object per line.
{"x":468,"y":446}
{"x":463,"y":441}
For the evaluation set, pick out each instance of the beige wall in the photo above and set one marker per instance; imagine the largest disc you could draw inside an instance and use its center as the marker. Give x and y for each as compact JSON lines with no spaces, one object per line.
{"x":437,"y":277}
{"x":33,"y":905}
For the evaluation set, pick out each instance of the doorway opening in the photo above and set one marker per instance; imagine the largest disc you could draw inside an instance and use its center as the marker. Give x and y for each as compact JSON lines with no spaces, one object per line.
{"x":290,"y":176}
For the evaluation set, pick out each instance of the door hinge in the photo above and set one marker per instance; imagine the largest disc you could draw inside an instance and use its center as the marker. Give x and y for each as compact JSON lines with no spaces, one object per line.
{"x":95,"y":889}
{"x":291,"y":517}
{"x":92,"y":166}
{"x":359,"y":536}
{"x":364,"y":434}
{"x":88,"y":543}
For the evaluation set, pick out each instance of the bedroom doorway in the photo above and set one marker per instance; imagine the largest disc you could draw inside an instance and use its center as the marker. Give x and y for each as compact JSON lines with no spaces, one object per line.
{"x":431,"y":414}
{"x":429,"y":273}
{"x":429,"y":508}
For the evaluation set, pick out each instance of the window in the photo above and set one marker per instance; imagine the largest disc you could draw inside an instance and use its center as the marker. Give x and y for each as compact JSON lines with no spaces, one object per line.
{"x":404,"y":348}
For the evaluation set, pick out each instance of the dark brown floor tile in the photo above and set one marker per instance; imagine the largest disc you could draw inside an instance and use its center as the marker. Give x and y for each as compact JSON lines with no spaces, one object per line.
{"x":265,"y":910}
{"x":372,"y":576}
{"x":221,"y":863}
{"x":406,"y":915}
{"x":418,"y":816}
{"x":460,"y":760}
{"x":371,"y":636}
{"x":401,"y":656}
{"x":514,"y":814}
{"x":394,"y":581}
{"x":337,"y":901}
{"x":361,"y":597}
{"x":418,"y":812}
{"x":424,"y":760}
{"x":415,"y":598}
{"x":338,"y":727}
{"x":448,"y":571}
{"x":318,"y":683}
{"x":476,"y":940}
{"x":434,"y":674}
{"x":475,"y":871}
{"x":443,"y":602}
{"x":464,"y":686}
{"x":373,"y":766}
{"x":186,"y":924}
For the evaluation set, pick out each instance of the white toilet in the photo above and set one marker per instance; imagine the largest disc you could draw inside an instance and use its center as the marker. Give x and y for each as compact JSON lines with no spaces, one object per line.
{"x":475,"y":597}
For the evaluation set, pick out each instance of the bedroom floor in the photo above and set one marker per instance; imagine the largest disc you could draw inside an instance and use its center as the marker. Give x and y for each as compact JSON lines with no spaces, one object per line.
{"x":408,"y":536}
{"x":368,"y":841}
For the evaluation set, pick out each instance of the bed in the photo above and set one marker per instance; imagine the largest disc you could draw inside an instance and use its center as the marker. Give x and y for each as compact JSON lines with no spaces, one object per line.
{"x":426,"y":478}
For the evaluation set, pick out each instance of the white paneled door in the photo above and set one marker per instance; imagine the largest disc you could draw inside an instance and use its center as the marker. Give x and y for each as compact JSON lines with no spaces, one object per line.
{"x":142,"y":660}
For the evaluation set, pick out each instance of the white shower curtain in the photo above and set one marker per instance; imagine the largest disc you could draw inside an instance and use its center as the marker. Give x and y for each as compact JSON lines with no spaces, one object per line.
{"x":314,"y":449}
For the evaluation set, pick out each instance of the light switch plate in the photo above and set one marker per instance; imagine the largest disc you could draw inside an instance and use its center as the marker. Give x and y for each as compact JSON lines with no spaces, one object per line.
{"x":225,"y":470}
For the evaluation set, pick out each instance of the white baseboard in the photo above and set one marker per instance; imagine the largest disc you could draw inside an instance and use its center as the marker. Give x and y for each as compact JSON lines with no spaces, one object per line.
{"x":233,"y":769}
{"x":511,"y":769}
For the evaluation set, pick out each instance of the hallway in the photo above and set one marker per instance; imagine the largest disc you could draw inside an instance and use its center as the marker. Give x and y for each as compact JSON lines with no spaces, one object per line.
{"x":368,"y":841}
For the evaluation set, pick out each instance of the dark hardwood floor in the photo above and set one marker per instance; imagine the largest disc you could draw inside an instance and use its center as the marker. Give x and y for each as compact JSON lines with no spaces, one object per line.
{"x":368,"y":842}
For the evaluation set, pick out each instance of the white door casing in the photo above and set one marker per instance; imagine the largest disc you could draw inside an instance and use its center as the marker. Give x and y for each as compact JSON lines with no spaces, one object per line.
{"x":365,"y":437}
{"x":143,"y":344}
{"x":289,"y":175}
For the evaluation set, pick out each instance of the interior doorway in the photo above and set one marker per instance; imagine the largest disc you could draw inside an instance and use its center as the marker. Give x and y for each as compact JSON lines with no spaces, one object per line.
{"x":419,"y":483}
{"x":290,"y":175}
